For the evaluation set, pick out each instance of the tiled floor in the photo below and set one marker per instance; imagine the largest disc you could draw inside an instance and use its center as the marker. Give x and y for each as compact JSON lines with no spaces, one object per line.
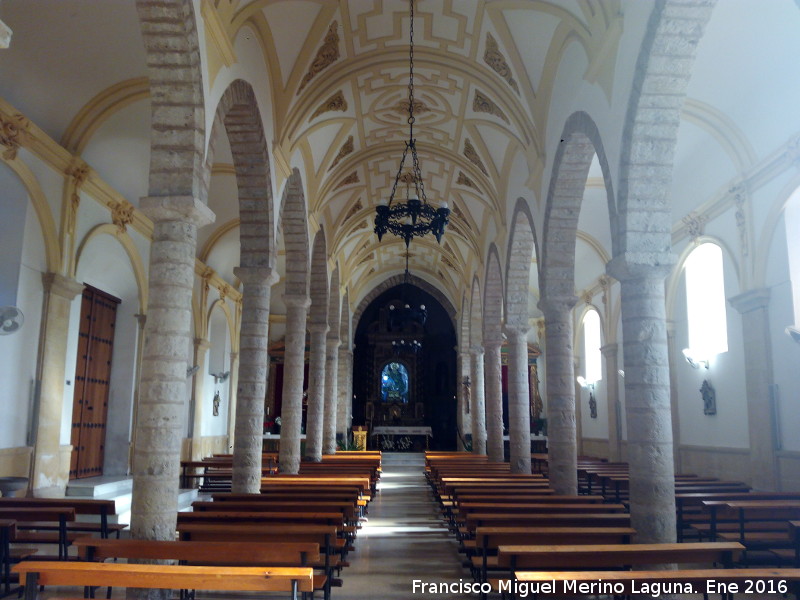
{"x":403,"y":540}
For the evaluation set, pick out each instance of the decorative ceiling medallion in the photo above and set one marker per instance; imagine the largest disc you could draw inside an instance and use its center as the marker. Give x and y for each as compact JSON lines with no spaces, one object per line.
{"x":355,"y":208}
{"x":407,"y":178}
{"x":352,"y":178}
{"x":122,"y":215}
{"x":326,"y":55}
{"x":485,"y":105}
{"x":346,"y":149}
{"x":402,"y":107}
{"x":495,"y":59}
{"x":335,"y":102}
{"x":695,"y":224}
{"x":464,"y":180}
{"x":13,"y":133}
{"x":472,"y":155}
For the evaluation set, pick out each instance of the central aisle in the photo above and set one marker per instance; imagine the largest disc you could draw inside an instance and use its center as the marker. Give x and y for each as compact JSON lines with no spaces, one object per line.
{"x":404,"y":539}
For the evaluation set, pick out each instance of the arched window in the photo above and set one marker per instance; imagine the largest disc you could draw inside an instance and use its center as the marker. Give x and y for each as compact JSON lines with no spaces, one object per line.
{"x":705,"y":303}
{"x":591,"y":346}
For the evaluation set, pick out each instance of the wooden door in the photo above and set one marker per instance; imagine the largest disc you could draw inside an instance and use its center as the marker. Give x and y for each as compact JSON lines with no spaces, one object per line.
{"x":92,"y":377}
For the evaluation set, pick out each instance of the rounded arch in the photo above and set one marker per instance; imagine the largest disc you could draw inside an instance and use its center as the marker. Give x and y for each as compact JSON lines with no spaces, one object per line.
{"x":493,"y":298}
{"x":463,"y":325}
{"x":521,"y":249}
{"x":239,"y":115}
{"x":320,"y":293}
{"x":345,"y":322}
{"x":334,"y":304}
{"x":42,"y":209}
{"x":295,"y":236}
{"x":139,"y":270}
{"x":220,"y":304}
{"x":395,"y":280}
{"x":580,"y":141}
{"x":790,"y":192}
{"x":176,"y":169}
{"x":475,"y":314}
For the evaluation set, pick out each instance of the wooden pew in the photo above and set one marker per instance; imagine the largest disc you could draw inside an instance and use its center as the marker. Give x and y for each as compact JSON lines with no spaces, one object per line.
{"x":44,"y":525}
{"x":103,"y":510}
{"x":242,"y":554}
{"x":174,"y":577}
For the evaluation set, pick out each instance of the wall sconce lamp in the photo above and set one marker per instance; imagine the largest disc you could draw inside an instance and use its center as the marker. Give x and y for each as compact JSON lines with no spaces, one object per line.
{"x":621,"y":373}
{"x":693,"y":359}
{"x":584,"y":383}
{"x":794,"y":333}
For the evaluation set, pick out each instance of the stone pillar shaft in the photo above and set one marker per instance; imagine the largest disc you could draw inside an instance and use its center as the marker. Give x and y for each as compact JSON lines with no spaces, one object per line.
{"x":561,"y":426}
{"x":331,"y":395}
{"x":201,"y":347}
{"x":252,"y":386}
{"x":478,"y":409}
{"x":519,"y":409}
{"x":161,"y":414}
{"x":647,"y":400}
{"x":672,"y":351}
{"x":49,"y":475}
{"x":344,"y":401}
{"x":464,"y":416}
{"x":494,"y":402}
{"x":610,"y":352}
{"x":754,"y":308}
{"x":293,"y":367}
{"x":316,"y":392}
{"x":234,"y":383}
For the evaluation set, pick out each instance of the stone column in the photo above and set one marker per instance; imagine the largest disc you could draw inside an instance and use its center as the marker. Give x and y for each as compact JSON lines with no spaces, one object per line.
{"x":344,"y":387}
{"x":253,"y":367}
{"x":293,"y":367}
{"x":464,"y":414}
{"x":49,"y":475}
{"x":156,"y":457}
{"x":519,"y":408}
{"x":561,"y":426}
{"x":754,"y":308}
{"x":478,"y":408}
{"x":331,"y":394}
{"x":201,"y":347}
{"x":673,"y":352}
{"x":647,"y":399}
{"x":610,"y":353}
{"x":494,"y":401}
{"x":234,"y":382}
{"x":316,"y":391}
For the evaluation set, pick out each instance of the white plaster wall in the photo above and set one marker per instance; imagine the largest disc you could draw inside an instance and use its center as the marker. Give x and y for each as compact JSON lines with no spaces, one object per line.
{"x":217,"y":361}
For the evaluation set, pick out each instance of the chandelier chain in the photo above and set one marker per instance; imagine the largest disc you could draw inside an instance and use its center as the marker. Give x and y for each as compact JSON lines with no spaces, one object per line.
{"x":411,"y":73}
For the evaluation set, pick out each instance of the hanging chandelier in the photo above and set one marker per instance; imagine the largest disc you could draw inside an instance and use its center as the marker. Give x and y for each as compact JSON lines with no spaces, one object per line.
{"x":414,"y":217}
{"x":401,"y":347}
{"x":399,"y":316}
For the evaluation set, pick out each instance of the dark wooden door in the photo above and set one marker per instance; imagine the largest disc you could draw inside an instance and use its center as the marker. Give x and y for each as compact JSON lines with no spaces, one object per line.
{"x":92,"y":376}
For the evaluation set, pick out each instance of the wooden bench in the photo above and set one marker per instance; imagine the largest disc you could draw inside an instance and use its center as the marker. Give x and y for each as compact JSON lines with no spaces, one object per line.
{"x":102,"y":510}
{"x":173,"y":577}
{"x":45,"y":525}
{"x":242,"y":554}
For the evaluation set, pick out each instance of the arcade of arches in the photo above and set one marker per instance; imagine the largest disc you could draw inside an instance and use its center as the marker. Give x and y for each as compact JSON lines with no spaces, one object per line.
{"x":211,"y":168}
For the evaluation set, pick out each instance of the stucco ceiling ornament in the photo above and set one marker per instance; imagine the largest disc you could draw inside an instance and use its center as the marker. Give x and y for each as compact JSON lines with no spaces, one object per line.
{"x":414,"y":217}
{"x":336,"y":102}
{"x":695,"y":224}
{"x":464,"y":180}
{"x":122,"y":215}
{"x":352,"y":178}
{"x":495,"y":59}
{"x":403,"y":107}
{"x":326,"y":55}
{"x":354,"y":209}
{"x":13,"y":133}
{"x":347,"y":148}
{"x":79,"y":172}
{"x":484,"y":104}
{"x":739,"y":195}
{"x":472,"y":155}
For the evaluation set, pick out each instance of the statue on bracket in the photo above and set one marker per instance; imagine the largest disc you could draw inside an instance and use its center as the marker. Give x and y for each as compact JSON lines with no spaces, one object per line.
{"x":709,"y":398}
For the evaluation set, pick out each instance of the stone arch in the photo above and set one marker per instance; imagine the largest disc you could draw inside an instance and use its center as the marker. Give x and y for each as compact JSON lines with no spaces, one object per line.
{"x":398,"y":280}
{"x":295,"y":236}
{"x":643,"y":256}
{"x":521,"y":249}
{"x":580,"y":141}
{"x":492,"y":341}
{"x":170,"y":40}
{"x":238,"y":113}
{"x":318,"y":314}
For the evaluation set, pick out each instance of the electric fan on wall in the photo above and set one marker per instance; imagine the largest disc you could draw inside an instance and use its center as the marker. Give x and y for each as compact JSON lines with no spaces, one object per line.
{"x":11,"y":319}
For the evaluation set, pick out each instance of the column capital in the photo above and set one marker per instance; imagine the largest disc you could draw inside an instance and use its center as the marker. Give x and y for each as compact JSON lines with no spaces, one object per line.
{"x":234,"y":357}
{"x":553,"y":305}
{"x":640,"y":265}
{"x":751,"y":300}
{"x":492,"y":345}
{"x":476,"y":349}
{"x":332,"y":342}
{"x":317,"y":327}
{"x":609,"y":349}
{"x":58,"y":285}
{"x":514,"y":333}
{"x":202,"y":344}
{"x":257,"y":275}
{"x":177,"y":208}
{"x":297,"y":300}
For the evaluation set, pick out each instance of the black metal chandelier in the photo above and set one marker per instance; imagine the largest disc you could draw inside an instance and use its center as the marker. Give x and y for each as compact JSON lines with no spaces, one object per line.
{"x":401,"y":347}
{"x":399,"y":316}
{"x":414,"y":217}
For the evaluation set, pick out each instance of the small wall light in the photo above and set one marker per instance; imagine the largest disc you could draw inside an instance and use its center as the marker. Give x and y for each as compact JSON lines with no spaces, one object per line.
{"x":694,"y":360}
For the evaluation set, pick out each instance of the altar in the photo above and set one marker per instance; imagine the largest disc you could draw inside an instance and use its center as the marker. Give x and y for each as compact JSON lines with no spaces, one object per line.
{"x":401,"y":438}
